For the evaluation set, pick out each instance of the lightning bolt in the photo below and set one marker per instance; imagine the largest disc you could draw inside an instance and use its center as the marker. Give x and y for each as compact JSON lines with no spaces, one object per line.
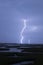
{"x":22,"y":31}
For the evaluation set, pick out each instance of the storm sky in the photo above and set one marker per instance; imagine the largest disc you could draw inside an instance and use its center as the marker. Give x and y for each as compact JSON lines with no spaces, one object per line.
{"x":11,"y":24}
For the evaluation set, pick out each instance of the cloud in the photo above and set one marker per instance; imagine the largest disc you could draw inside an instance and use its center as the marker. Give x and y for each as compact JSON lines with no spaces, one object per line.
{"x":34,"y":28}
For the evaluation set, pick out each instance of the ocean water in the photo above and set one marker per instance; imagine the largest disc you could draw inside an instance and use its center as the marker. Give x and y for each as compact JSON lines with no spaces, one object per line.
{"x":24,"y":63}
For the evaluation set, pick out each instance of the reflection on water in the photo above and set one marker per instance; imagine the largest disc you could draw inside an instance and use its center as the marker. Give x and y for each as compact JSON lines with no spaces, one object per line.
{"x":24,"y":63}
{"x":21,"y":54}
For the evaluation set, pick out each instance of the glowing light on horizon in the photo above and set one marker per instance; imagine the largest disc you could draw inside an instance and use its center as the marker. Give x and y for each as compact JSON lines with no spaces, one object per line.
{"x":22,"y":31}
{"x":29,"y":41}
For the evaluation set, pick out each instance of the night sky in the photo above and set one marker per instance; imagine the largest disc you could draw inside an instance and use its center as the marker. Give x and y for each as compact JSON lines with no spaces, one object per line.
{"x":12,"y":16}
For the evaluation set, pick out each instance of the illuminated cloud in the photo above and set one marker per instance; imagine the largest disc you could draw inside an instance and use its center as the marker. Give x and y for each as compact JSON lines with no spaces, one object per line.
{"x":33,"y":28}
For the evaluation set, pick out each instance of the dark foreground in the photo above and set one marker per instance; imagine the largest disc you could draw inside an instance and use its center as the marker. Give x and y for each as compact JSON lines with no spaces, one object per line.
{"x":21,"y":54}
